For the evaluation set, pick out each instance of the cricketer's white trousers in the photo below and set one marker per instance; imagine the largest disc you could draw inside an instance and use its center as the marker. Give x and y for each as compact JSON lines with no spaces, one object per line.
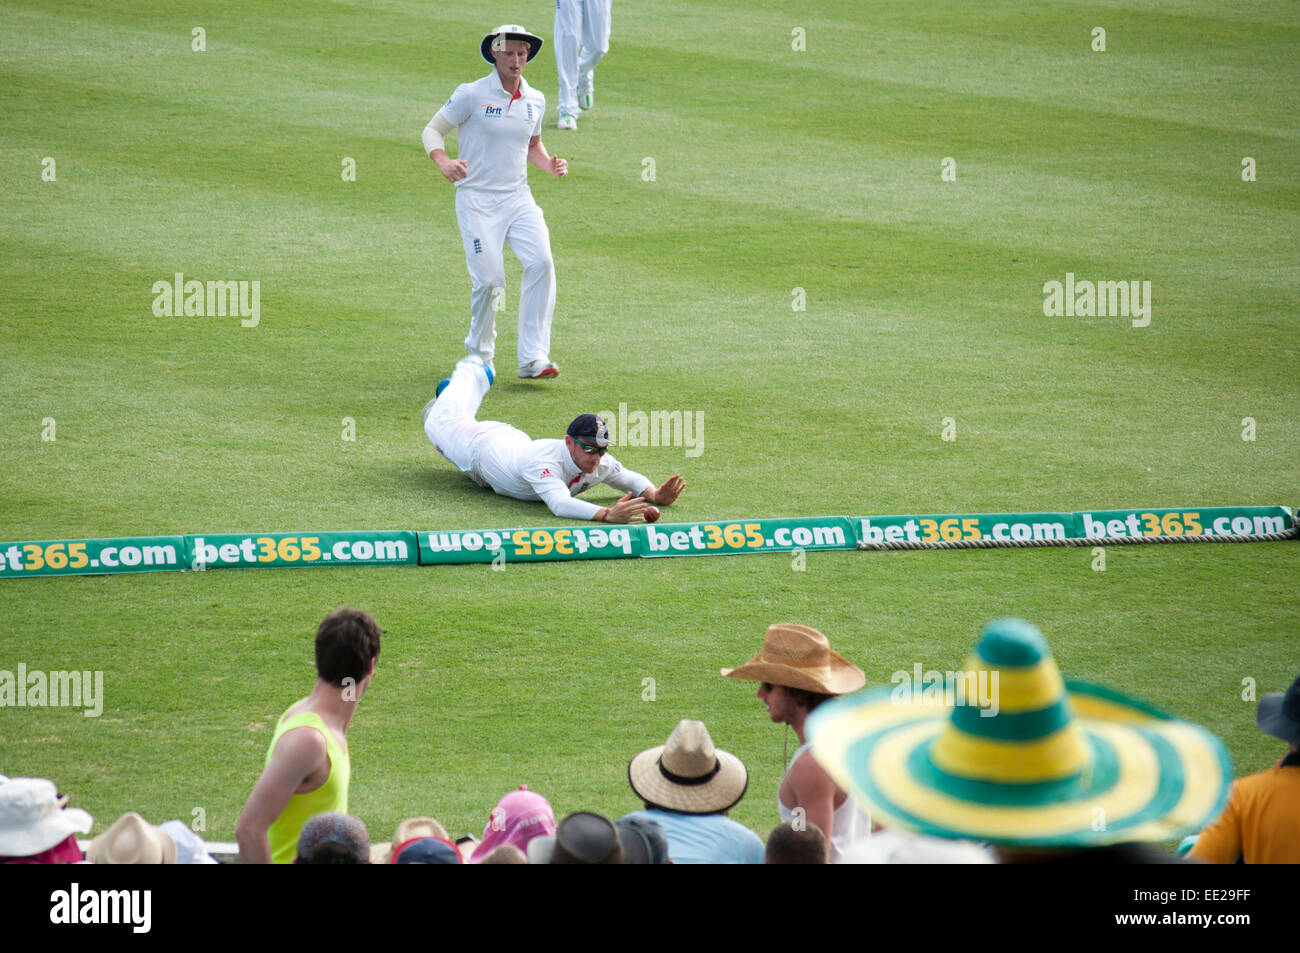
{"x":450,"y":422}
{"x":487,"y":222}
{"x":579,"y":25}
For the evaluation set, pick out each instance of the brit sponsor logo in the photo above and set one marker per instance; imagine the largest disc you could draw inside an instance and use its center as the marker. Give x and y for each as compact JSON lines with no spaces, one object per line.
{"x":492,"y":112}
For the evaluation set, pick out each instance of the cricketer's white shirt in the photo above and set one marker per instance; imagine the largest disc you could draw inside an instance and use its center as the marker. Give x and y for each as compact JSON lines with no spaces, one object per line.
{"x":513,"y":465}
{"x":493,"y":132}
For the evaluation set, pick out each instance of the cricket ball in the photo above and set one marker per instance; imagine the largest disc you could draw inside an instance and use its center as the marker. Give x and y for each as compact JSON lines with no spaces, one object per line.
{"x":651,"y":514}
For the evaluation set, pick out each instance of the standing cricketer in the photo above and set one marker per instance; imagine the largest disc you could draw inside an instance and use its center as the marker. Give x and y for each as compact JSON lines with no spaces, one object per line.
{"x":581,"y":41}
{"x":506,"y":460}
{"x":500,"y":123}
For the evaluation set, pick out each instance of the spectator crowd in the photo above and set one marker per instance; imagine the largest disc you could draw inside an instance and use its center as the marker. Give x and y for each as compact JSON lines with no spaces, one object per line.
{"x":1031,"y":770}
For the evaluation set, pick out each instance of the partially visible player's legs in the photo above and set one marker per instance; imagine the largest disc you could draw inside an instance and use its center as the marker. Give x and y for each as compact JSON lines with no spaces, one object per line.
{"x":596,"y":17}
{"x":568,"y":27}
{"x":482,"y":231}
{"x":531,"y":242}
{"x":449,"y":419}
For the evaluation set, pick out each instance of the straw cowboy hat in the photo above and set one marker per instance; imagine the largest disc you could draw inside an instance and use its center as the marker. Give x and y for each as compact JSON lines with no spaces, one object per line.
{"x":132,"y":840}
{"x":799,"y":657}
{"x":1040,"y":763}
{"x":688,"y":774}
{"x":509,"y":32}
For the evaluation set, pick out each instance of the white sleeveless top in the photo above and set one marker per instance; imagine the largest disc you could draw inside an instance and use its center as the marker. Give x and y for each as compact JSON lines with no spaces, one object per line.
{"x":849,"y":824}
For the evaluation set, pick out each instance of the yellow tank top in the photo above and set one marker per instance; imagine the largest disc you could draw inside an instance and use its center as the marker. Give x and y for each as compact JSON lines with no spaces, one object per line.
{"x":330,"y":796}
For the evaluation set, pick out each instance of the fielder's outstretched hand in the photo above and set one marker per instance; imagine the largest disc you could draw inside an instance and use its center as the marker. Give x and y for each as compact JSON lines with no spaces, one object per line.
{"x":667,"y":492}
{"x":626,"y":510}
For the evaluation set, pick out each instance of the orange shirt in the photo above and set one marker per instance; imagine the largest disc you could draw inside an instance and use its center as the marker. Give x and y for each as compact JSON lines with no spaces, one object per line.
{"x":1261,"y":824}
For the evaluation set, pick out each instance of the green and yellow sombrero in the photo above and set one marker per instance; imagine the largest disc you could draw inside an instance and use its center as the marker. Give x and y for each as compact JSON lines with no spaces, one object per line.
{"x":1008,"y":752}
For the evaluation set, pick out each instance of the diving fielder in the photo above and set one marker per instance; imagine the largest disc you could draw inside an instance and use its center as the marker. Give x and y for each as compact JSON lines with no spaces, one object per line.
{"x":580,"y":25}
{"x":500,"y":123}
{"x":507,"y":461}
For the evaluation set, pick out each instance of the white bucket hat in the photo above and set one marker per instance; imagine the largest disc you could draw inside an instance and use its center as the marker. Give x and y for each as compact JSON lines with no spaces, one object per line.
{"x":510,"y":31}
{"x":190,"y":848}
{"x":33,"y":817}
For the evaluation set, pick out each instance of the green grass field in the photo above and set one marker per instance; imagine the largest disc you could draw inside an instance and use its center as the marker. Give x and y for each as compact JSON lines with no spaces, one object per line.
{"x":775,"y":169}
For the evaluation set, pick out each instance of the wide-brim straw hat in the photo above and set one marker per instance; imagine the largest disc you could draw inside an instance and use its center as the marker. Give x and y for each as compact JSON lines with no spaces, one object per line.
{"x":1032,"y":761}
{"x":132,"y":840}
{"x":799,"y":657}
{"x":510,"y":31}
{"x":33,"y":818}
{"x":688,"y":774}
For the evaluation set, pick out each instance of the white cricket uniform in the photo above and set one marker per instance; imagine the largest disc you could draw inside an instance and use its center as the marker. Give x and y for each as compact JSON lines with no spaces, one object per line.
{"x":509,"y":462}
{"x":581,"y":41}
{"x":494,"y":206}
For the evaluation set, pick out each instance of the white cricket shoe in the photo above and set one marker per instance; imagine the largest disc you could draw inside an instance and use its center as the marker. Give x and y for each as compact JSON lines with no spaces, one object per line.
{"x":567,"y":122}
{"x":587,"y":95}
{"x":534,"y":370}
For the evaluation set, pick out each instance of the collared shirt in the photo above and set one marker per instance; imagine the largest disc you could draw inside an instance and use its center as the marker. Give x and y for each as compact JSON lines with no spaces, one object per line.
{"x":494,"y":130}
{"x":1261,"y":824}
{"x":706,"y":838}
{"x":513,"y":465}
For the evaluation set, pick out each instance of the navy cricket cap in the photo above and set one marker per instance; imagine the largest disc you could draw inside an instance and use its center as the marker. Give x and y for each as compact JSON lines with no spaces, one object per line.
{"x":426,"y":850}
{"x":589,"y":429}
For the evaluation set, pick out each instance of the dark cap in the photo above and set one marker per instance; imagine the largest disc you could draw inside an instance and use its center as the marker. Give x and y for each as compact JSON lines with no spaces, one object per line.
{"x":643,"y":841}
{"x":1279,"y":714}
{"x":589,"y":429}
{"x":585,"y":838}
{"x":426,"y":850}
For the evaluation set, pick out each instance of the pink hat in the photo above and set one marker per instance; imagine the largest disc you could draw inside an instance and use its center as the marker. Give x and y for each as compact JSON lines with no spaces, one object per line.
{"x":518,"y":817}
